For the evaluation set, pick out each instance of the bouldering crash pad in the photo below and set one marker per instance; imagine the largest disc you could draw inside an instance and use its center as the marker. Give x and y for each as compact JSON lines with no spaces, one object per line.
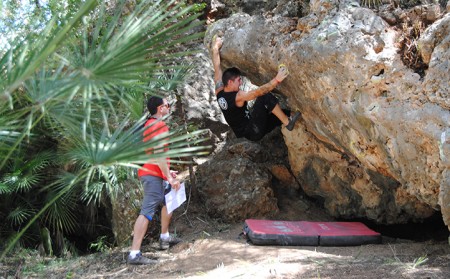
{"x":307,"y":233}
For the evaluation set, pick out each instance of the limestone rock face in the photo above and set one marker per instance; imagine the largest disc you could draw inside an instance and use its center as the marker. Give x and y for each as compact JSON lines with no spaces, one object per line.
{"x":434,"y":46}
{"x":199,"y":102}
{"x":374,"y":139}
{"x":225,"y":8}
{"x":125,"y":209}
{"x":236,"y":185}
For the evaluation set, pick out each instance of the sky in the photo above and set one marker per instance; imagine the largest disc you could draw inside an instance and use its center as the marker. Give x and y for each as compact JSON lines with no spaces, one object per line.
{"x":22,"y":17}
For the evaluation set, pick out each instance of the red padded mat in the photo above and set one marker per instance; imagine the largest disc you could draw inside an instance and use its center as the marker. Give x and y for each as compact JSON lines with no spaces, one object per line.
{"x":273,"y":232}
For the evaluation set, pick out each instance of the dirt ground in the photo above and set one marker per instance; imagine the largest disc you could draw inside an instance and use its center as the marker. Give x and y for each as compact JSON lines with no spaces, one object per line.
{"x":212,"y":249}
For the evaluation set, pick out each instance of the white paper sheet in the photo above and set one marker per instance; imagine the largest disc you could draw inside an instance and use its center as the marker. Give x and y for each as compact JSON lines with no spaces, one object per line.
{"x":175,"y":198}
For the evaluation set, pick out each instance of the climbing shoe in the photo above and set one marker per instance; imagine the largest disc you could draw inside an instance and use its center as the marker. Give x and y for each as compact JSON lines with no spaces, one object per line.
{"x":140,"y":260}
{"x":164,"y":244}
{"x":292,"y":120}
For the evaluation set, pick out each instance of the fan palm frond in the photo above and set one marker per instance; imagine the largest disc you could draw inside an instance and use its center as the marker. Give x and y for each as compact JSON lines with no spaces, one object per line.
{"x":21,"y":61}
{"x":118,"y":54}
{"x":40,"y":161}
{"x":12,"y":130}
{"x":27,"y":174}
{"x":126,"y":147}
{"x":132,"y":101}
{"x":72,"y":86}
{"x":93,"y":192}
{"x":171,"y":78}
{"x":5,"y":188}
{"x":20,"y":214}
{"x":61,"y":214}
{"x":20,"y":182}
{"x":64,"y":185}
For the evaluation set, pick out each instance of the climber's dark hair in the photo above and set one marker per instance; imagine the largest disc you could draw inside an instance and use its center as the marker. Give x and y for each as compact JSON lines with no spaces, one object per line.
{"x":230,"y":74}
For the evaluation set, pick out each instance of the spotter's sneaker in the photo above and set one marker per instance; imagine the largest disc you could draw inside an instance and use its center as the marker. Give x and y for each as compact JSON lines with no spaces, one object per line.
{"x":164,"y":244}
{"x":139,"y":260}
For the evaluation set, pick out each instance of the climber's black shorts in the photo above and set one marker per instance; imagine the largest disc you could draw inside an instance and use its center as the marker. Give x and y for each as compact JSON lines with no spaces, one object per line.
{"x":262,"y":119}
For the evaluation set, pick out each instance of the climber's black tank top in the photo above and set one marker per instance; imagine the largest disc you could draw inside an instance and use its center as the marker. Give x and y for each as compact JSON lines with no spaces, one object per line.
{"x":236,"y":117}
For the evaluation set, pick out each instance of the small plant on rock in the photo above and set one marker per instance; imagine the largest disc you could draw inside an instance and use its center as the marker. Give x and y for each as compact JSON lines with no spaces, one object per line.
{"x":371,"y":3}
{"x":409,"y":48}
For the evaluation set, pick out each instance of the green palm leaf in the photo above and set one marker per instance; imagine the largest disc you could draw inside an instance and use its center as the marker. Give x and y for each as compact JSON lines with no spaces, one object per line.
{"x":76,"y":88}
{"x":127,"y":148}
{"x":27,"y":174}
{"x":5,"y":188}
{"x":61,"y":214}
{"x":20,"y":215}
{"x":21,"y":61}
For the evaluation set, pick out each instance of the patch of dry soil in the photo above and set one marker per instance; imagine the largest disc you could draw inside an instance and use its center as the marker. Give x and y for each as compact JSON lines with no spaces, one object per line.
{"x":214,"y":250}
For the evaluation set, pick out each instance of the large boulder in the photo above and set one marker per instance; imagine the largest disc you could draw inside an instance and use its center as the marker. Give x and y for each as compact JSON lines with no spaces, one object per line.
{"x":237,"y":184}
{"x":225,"y":8}
{"x":434,"y":45}
{"x":374,"y":140}
{"x":125,"y":210}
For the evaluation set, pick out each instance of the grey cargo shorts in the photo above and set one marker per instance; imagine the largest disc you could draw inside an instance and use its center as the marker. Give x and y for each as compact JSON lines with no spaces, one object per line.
{"x":155,"y":189}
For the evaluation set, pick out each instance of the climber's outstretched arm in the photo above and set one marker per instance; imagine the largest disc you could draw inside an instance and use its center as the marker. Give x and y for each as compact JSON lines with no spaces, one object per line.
{"x":243,"y":96}
{"x":217,"y":44}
